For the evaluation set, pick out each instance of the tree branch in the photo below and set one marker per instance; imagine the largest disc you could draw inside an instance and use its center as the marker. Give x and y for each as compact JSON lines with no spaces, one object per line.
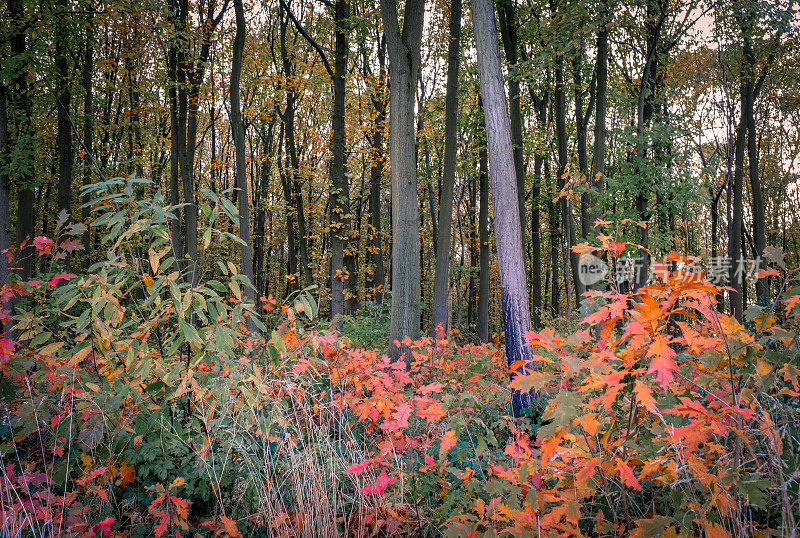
{"x":308,"y":37}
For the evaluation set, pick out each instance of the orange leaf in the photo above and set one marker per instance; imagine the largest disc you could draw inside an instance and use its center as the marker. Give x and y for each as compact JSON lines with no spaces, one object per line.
{"x":432,"y":412}
{"x":791,"y":302}
{"x":230,"y":527}
{"x":764,"y":273}
{"x":448,"y":442}
{"x":125,"y":475}
{"x":662,"y":363}
{"x":645,"y":396}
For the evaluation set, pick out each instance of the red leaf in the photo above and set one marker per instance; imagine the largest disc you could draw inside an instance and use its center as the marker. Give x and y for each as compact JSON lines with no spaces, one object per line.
{"x":62,"y":276}
{"x":358,"y":468}
{"x":427,"y":389}
{"x":104,"y":526}
{"x":94,"y":474}
{"x":380,"y":485}
{"x":645,"y":396}
{"x":791,"y":302}
{"x":161,"y":528}
{"x":400,"y":416}
{"x":43,"y":245}
{"x":181,"y":506}
{"x":626,"y":473}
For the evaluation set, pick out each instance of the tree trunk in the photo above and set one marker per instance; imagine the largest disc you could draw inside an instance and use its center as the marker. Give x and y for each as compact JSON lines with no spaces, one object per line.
{"x":581,"y":128}
{"x":5,"y":199}
{"x":63,"y":99}
{"x":759,"y":223}
{"x":340,"y":219}
{"x":261,"y":217}
{"x":377,"y":280}
{"x":508,"y":30}
{"x":404,"y":62}
{"x":555,"y":241}
{"x":472,"y":286}
{"x":296,"y":189}
{"x":237,"y":130}
{"x":485,"y":249}
{"x":23,"y":141}
{"x":536,"y":234}
{"x":564,"y":203}
{"x":601,"y":107}
{"x":513,"y":289}
{"x":441,"y":279}
{"x":88,"y":130}
{"x":737,"y":220}
{"x":176,"y":226}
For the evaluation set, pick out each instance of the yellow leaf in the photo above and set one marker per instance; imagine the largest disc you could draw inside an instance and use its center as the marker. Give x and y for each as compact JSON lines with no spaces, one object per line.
{"x":763,"y":367}
{"x":50,"y":349}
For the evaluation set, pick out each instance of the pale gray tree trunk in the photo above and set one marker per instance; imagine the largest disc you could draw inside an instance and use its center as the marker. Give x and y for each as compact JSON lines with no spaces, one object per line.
{"x":513,"y":289}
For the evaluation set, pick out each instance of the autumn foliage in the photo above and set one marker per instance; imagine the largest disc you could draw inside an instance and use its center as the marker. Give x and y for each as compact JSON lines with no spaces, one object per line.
{"x":137,"y":404}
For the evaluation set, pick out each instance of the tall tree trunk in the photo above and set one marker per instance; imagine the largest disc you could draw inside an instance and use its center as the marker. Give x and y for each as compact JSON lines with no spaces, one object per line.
{"x":581,"y":128}
{"x":63,"y":99}
{"x":441,"y":279}
{"x":513,"y":289}
{"x":404,"y":63}
{"x":88,"y":130}
{"x":5,"y":198}
{"x":737,"y":221}
{"x":564,"y":203}
{"x":472,"y":286}
{"x":261,"y":216}
{"x":645,"y":108}
{"x":536,"y":243}
{"x":296,"y":190}
{"x":340,"y":219}
{"x":555,"y":241}
{"x":601,"y":108}
{"x":540,"y":105}
{"x":485,"y":249}
{"x":377,"y":280}
{"x":176,"y":226}
{"x":759,"y":222}
{"x":23,"y":141}
{"x":291,"y":240}
{"x":508,"y":31}
{"x":237,"y":130}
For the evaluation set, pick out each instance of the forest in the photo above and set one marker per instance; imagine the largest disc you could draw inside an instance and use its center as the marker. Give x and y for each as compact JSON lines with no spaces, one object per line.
{"x":419,"y":268}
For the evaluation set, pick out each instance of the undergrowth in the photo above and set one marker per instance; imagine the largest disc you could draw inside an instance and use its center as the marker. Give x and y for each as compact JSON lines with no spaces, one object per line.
{"x":136,"y":403}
